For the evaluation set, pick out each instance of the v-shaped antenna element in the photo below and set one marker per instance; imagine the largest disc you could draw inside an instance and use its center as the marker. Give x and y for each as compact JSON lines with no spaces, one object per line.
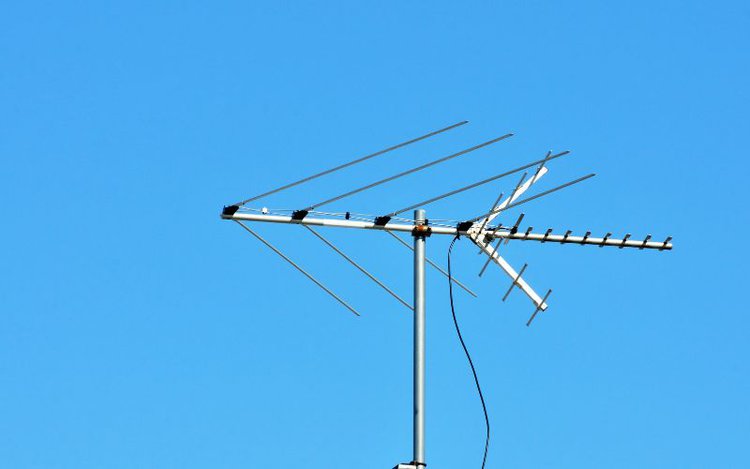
{"x":476,"y":184}
{"x":407,"y":172}
{"x":529,"y":199}
{"x":303,"y":271}
{"x":360,"y":268}
{"x":352,"y":163}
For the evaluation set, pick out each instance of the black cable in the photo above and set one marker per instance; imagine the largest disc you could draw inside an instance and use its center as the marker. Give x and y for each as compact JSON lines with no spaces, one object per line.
{"x":468,"y":356}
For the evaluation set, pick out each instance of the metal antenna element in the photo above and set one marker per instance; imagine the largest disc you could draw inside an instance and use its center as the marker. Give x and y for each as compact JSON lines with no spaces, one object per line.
{"x":494,"y":204}
{"x":496,"y":209}
{"x":352,"y":163}
{"x":528,"y":323}
{"x":304,"y":272}
{"x":483,"y":235}
{"x":515,"y":282}
{"x":546,"y":158}
{"x":476,"y":184}
{"x":517,"y":192}
{"x":361,"y":269}
{"x":407,"y":172}
{"x":529,"y":199}
{"x":489,"y":258}
{"x":435,"y":266}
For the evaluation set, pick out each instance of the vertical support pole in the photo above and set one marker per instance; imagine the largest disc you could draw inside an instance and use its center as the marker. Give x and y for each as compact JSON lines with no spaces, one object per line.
{"x":419,"y":338}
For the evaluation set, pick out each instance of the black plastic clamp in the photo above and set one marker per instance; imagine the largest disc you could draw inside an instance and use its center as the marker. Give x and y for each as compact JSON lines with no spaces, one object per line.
{"x":299,"y":214}
{"x":464,"y":226}
{"x":382,"y":221}
{"x":624,"y":240}
{"x":230,"y":210}
{"x":645,"y":240}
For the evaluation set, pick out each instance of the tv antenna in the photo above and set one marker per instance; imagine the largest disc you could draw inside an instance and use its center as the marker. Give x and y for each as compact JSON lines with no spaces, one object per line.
{"x":483,"y":230}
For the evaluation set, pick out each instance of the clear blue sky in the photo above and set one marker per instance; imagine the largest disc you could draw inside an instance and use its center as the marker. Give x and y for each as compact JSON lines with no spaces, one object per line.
{"x":138,"y":330}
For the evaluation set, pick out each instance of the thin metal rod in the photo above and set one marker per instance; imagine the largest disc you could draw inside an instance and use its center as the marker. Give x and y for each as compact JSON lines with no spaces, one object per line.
{"x":352,"y":163}
{"x":313,"y":279}
{"x":435,"y":266}
{"x":489,"y":258}
{"x":515,"y":282}
{"x":407,"y":172}
{"x":419,"y":340}
{"x":529,"y":199}
{"x":494,"y":204}
{"x":536,"y":311}
{"x":476,"y":184}
{"x":513,"y":274}
{"x":361,"y":269}
{"x":541,"y":165}
{"x":497,"y":209}
{"x":513,"y":195}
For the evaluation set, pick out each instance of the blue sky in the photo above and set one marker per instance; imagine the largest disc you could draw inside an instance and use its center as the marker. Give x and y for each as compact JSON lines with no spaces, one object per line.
{"x":140,"y":331}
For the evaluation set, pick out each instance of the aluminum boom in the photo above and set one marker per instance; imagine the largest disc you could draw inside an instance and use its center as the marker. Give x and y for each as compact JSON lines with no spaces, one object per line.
{"x":443,"y":230}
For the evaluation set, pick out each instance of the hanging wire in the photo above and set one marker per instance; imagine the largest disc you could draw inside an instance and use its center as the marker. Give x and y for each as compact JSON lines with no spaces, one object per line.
{"x":468,"y":355}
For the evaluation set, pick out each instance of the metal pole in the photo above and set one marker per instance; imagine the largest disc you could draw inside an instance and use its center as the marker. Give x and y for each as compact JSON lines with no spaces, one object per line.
{"x":419,"y":338}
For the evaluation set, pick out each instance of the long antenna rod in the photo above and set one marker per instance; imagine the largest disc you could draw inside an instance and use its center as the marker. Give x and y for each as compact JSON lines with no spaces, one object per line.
{"x":476,"y":184}
{"x":352,"y":163}
{"x":529,"y":199}
{"x":407,"y":172}
{"x":304,"y":272}
{"x":361,"y":269}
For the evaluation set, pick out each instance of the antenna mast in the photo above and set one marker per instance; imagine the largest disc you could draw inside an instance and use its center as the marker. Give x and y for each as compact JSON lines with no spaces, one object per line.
{"x":420,"y":233}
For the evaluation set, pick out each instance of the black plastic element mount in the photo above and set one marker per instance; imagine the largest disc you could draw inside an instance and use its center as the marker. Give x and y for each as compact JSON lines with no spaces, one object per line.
{"x":230,"y":210}
{"x":299,"y":214}
{"x":464,"y":226}
{"x":382,"y":221}
{"x":645,"y":241}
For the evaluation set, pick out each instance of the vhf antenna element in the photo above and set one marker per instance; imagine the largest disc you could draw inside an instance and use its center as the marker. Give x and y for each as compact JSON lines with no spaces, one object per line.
{"x":483,"y":231}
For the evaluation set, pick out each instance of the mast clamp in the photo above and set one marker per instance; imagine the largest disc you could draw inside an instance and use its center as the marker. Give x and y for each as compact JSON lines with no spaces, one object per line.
{"x":423,"y":231}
